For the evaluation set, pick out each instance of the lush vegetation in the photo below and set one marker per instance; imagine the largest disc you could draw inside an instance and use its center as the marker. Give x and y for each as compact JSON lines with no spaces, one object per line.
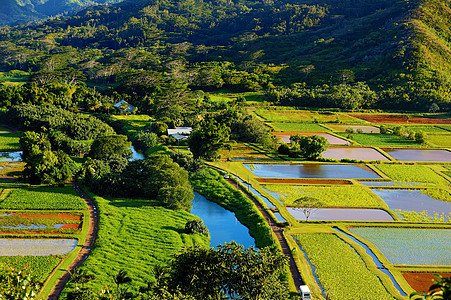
{"x":53,"y":198}
{"x":411,"y":173}
{"x":9,"y":141}
{"x":136,"y":236}
{"x":378,"y":139}
{"x":324,"y":196}
{"x":331,"y":258}
{"x":410,"y":246}
{"x":208,"y":273}
{"x":37,"y":266}
{"x":211,"y":185}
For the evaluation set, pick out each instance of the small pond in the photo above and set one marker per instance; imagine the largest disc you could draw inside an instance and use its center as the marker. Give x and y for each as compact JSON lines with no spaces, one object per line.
{"x":10,"y":156}
{"x":222,"y":223}
{"x":412,"y":200}
{"x":354,"y":153}
{"x":36,"y":247}
{"x":136,"y":155}
{"x":310,"y":171}
{"x":419,"y":155}
{"x":331,"y":139}
{"x":341,"y":214}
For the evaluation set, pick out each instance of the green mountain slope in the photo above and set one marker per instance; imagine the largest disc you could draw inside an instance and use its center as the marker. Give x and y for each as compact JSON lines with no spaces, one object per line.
{"x":395,"y":51}
{"x":22,"y":11}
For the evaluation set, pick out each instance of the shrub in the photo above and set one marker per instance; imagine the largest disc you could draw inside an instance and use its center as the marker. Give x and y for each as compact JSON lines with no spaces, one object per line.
{"x":196,"y":226}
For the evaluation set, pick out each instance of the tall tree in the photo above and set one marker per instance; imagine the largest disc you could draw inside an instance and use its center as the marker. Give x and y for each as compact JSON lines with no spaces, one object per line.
{"x":208,"y":139}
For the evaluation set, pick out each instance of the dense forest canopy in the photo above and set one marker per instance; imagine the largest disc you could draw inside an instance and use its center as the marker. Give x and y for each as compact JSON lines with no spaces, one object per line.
{"x":154,"y":53}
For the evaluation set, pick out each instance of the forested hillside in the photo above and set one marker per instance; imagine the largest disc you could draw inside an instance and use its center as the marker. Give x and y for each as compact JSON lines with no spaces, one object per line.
{"x":23,"y":11}
{"x":315,"y":53}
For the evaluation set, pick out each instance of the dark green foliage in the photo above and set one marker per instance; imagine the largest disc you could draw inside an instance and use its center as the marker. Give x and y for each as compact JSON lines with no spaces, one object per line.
{"x":187,"y":162}
{"x":208,"y":139}
{"x":207,"y":273}
{"x":61,"y":141}
{"x":42,"y":164}
{"x":309,"y":147}
{"x":196,"y":226}
{"x":75,"y":125}
{"x":211,"y":185}
{"x":157,"y":178}
{"x":145,"y":140}
{"x":106,"y":147}
{"x":16,"y":284}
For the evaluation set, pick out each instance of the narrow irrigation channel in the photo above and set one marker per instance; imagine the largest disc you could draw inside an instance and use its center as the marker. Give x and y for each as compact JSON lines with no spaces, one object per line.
{"x":87,"y":246}
{"x":376,"y":260}
{"x":277,"y":230}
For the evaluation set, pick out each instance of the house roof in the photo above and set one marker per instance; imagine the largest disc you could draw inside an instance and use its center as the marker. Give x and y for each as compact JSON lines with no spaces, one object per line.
{"x":122,"y":102}
{"x":180,"y":130}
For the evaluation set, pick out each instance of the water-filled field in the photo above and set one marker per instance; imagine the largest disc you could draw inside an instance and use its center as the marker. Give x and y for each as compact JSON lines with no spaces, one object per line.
{"x":410,"y":246}
{"x":413,"y":200}
{"x":10,"y":156}
{"x":310,"y":171}
{"x":354,"y":153}
{"x":420,"y":155}
{"x":37,"y":247}
{"x":331,"y":139}
{"x":342,"y":214}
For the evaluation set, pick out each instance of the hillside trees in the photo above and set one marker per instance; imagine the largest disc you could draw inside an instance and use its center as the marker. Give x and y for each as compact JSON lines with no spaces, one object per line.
{"x":42,"y":164}
{"x":208,"y":273}
{"x":207,"y":140}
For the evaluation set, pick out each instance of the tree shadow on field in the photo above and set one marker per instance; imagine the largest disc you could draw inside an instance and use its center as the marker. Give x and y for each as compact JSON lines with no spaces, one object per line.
{"x":178,"y":230}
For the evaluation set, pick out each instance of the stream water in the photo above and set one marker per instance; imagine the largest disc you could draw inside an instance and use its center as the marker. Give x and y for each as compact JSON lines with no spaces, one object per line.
{"x":221,"y":223}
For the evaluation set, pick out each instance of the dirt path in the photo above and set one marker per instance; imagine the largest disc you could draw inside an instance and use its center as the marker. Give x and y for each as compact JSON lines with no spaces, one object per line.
{"x":86,"y":249}
{"x":278,"y":233}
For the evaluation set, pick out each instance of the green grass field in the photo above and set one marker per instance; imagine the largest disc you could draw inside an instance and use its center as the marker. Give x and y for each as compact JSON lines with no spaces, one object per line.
{"x":411,"y":173}
{"x":327,"y":196}
{"x":293,"y":115}
{"x":10,"y":141}
{"x":340,"y":270}
{"x":137,"y":122}
{"x":439,"y":140}
{"x":300,"y":127}
{"x":54,"y":198}
{"x":377,"y":139}
{"x":434,"y":129}
{"x":38,"y":266}
{"x":135,"y":237}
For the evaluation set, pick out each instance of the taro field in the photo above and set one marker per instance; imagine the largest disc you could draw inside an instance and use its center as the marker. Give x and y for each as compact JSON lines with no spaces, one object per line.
{"x":410,"y":246}
{"x":339,"y":268}
{"x":324,"y":196}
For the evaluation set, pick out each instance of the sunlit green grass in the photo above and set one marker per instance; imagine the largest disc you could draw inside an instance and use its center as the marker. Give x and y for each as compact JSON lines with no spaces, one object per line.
{"x":137,"y":122}
{"x":326,"y":196}
{"x":10,"y":141}
{"x":38,"y":266}
{"x":136,"y":237}
{"x":377,"y":139}
{"x":340,"y":270}
{"x":301,"y":127}
{"x":411,"y":173}
{"x":439,"y":140}
{"x":55,"y":198}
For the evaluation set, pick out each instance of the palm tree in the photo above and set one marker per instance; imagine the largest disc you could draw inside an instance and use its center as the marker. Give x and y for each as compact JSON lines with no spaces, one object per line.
{"x":79,"y":276}
{"x":119,"y":279}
